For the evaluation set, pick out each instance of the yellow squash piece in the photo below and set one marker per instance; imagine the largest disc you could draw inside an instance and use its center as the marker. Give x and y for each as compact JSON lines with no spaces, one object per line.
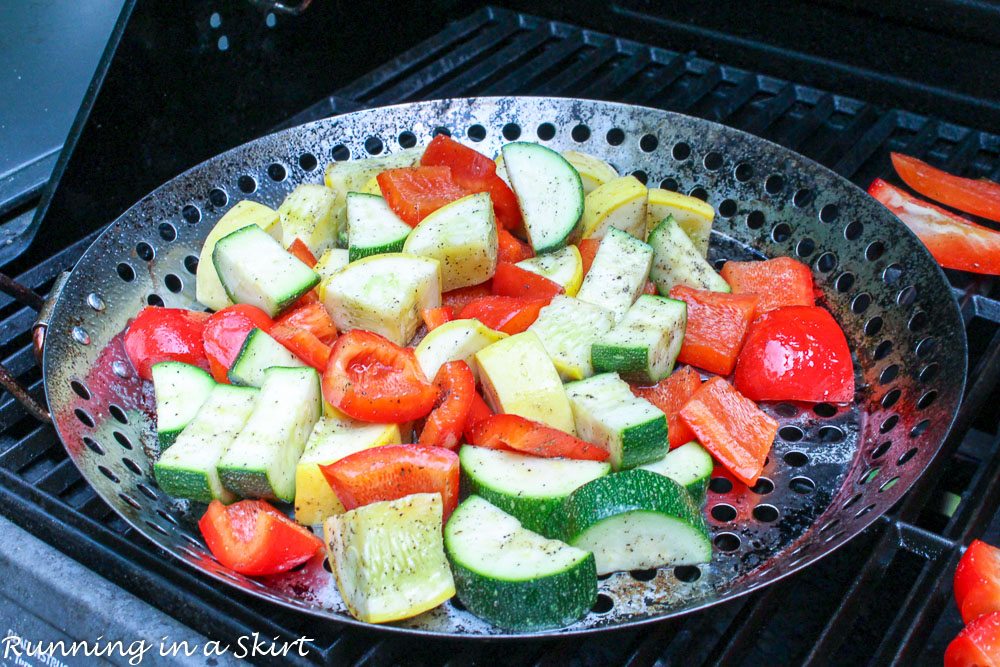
{"x":208,"y":287}
{"x":563,"y":267}
{"x":388,"y":558}
{"x":594,"y":172}
{"x":454,"y":341}
{"x":518,"y":378}
{"x":371,"y":187}
{"x":619,"y":203}
{"x":307,"y":215}
{"x":691,"y":214}
{"x":332,"y":439}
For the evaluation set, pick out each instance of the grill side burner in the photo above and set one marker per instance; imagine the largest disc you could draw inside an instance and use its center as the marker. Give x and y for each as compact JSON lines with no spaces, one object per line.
{"x":878,"y":599}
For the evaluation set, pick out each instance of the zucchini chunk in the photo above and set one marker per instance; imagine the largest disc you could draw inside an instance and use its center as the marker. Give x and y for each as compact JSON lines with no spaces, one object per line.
{"x":515,"y":578}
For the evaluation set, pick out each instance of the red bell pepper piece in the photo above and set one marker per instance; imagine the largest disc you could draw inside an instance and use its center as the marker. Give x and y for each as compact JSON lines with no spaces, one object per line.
{"x":302,"y":252}
{"x":797,"y":353}
{"x":303,"y":344}
{"x":254,"y":539}
{"x":474,"y":172}
{"x":372,"y":379}
{"x":588,"y":251}
{"x":435,"y":317}
{"x":511,"y":249}
{"x":394,"y":471}
{"x":670,"y":395}
{"x":504,"y":313}
{"x":650,"y":288}
{"x":413,"y":193}
{"x":512,"y":280}
{"x":978,"y":645}
{"x":731,"y":426}
{"x":458,"y":299}
{"x":456,"y":387}
{"x":478,"y":411}
{"x":314,"y":318}
{"x":973,"y":195}
{"x":716,"y":325}
{"x":514,"y":433}
{"x":977,"y":581}
{"x":956,"y":243}
{"x":165,"y":334}
{"x":225,"y":332}
{"x":778,"y":282}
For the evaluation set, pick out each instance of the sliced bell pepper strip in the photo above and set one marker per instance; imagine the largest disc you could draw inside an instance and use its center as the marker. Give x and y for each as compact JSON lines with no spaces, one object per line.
{"x":977,"y":581}
{"x":478,"y":411}
{"x":514,"y":433}
{"x":778,"y":282}
{"x":512,"y":280}
{"x":254,"y":539}
{"x":956,"y":243}
{"x":390,"y":472}
{"x":716,"y":325}
{"x":670,"y":395}
{"x":798,"y":353}
{"x":413,"y":193}
{"x":166,"y":334}
{"x":511,"y":249}
{"x":372,"y":379}
{"x":302,"y":253}
{"x":731,"y":427}
{"x":314,"y":318}
{"x":976,"y":196}
{"x":225,"y":332}
{"x":303,"y":344}
{"x":456,"y":387}
{"x":588,"y":250}
{"x":458,"y":299}
{"x":978,"y":645}
{"x":504,"y":313}
{"x":474,"y":172}
{"x":435,"y":317}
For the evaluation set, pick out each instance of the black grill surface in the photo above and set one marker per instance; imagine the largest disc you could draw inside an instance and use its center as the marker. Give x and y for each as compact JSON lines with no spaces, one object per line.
{"x":884,"y":598}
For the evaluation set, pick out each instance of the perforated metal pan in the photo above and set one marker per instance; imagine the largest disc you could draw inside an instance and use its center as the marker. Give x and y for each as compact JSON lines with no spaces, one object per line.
{"x":831,"y":472}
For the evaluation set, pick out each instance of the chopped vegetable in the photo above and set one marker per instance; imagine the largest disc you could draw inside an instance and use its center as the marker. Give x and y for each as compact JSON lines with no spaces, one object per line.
{"x":731,"y":426}
{"x":670,"y":395}
{"x":618,"y":203}
{"x":956,"y":243}
{"x":511,"y":249}
{"x":796,"y":353}
{"x":314,"y":318}
{"x":413,"y":193}
{"x":388,"y":558}
{"x":225,"y":332}
{"x":716,"y":325}
{"x":435,"y":317}
{"x":391,"y":472}
{"x":563,"y":267}
{"x":303,"y":344}
{"x":635,"y":520}
{"x":977,"y":196}
{"x":778,"y":282}
{"x":332,"y":438}
{"x":253,"y":538}
{"x":977,"y":581}
{"x":372,"y":379}
{"x":512,"y":280}
{"x":166,"y":334}
{"x":508,"y":314}
{"x":588,"y":251}
{"x":458,"y":340}
{"x":455,"y":385}
{"x":518,"y":434}
{"x":457,"y":299}
{"x":513,"y":577}
{"x":978,"y":645}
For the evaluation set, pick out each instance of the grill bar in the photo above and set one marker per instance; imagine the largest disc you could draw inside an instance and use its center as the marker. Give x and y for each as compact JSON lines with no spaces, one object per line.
{"x":500,"y":52}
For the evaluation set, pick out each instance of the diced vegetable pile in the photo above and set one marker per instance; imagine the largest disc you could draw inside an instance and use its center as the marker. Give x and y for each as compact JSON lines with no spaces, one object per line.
{"x":436,"y":339}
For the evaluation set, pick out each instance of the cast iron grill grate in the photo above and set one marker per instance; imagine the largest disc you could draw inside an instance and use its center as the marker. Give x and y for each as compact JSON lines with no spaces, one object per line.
{"x":861,"y":603}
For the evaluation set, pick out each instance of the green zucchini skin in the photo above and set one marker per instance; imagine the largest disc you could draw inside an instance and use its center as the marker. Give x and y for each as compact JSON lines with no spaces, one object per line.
{"x":529,"y":602}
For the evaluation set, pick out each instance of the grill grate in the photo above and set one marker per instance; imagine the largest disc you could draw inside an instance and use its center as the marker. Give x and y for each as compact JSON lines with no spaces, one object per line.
{"x":863,"y":603}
